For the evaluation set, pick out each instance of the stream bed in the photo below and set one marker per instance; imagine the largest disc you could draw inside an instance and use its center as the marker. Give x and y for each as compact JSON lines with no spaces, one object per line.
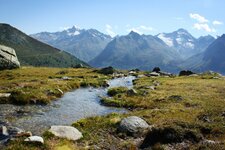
{"x":74,"y":105}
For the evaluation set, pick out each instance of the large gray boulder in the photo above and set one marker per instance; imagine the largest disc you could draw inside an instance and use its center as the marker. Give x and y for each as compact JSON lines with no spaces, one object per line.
{"x":67,"y":132}
{"x":8,"y":58}
{"x":134,"y":126}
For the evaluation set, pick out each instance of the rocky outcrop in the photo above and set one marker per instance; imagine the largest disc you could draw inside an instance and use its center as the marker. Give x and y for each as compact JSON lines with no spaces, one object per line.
{"x":8,"y":58}
{"x":67,"y":132}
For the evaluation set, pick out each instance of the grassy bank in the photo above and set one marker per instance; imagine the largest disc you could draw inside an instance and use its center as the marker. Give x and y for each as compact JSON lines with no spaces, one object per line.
{"x":194,"y":105}
{"x":41,"y":85}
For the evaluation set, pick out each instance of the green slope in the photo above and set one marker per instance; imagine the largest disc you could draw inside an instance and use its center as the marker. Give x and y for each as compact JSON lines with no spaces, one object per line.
{"x":32,"y":52}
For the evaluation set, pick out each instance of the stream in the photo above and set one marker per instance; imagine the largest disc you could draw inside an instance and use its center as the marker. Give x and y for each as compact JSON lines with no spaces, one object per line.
{"x":74,"y":105}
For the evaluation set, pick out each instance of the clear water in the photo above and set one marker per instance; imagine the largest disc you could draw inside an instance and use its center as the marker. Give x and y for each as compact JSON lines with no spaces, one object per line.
{"x":80,"y":103}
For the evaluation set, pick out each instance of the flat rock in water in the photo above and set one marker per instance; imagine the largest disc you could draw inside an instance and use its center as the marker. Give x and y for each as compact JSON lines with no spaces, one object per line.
{"x":67,"y":132}
{"x":133,"y":125}
{"x":35,"y":139}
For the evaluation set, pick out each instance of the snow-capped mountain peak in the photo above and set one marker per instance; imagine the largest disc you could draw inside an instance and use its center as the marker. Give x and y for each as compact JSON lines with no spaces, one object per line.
{"x":165,"y":39}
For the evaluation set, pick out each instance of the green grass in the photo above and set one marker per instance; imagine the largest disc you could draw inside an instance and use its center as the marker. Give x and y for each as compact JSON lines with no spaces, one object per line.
{"x":193,"y":105}
{"x":41,"y":85}
{"x":179,"y":102}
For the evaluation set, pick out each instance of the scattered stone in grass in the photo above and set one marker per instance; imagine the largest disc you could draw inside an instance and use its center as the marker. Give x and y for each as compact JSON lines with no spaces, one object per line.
{"x":35,"y":139}
{"x":186,"y":73}
{"x":223,"y":114}
{"x":151,"y":87}
{"x":193,"y":75}
{"x":156,"y":83}
{"x":204,"y":118}
{"x":131,"y":92}
{"x":105,"y":83}
{"x":154,"y":74}
{"x":62,"y":72}
{"x":79,"y":66}
{"x":14,"y":131}
{"x":156,"y":69}
{"x":208,"y":142}
{"x":4,"y":131}
{"x":165,"y":74}
{"x":107,"y":70}
{"x":61,"y":92}
{"x":67,"y":132}
{"x":5,"y":95}
{"x":133,"y":126}
{"x":175,"y":98}
{"x":140,"y":76}
{"x":66,"y":78}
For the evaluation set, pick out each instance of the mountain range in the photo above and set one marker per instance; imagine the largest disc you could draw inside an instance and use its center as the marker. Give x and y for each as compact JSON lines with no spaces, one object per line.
{"x":84,"y":44}
{"x":136,"y":51}
{"x":170,"y":51}
{"x":213,"y":58}
{"x":32,"y":52}
{"x":184,"y":43}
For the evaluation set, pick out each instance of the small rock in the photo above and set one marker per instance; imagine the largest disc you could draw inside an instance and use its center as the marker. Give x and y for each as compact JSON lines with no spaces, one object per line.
{"x":107,"y":70}
{"x":67,"y":132}
{"x":4,"y":131}
{"x":140,"y":76}
{"x":193,"y":75}
{"x":131,"y":92}
{"x":151,"y":87}
{"x":154,"y":74}
{"x":66,"y":78}
{"x":60,"y":91}
{"x":14,"y":131}
{"x":133,"y":126}
{"x":79,"y":66}
{"x":209,"y":142}
{"x":5,"y":95}
{"x":105,"y":83}
{"x":156,"y":83}
{"x":165,"y":73}
{"x":176,"y":98}
{"x":132,"y":73}
{"x":35,"y":139}
{"x":156,"y":69}
{"x":24,"y":134}
{"x":186,"y":73}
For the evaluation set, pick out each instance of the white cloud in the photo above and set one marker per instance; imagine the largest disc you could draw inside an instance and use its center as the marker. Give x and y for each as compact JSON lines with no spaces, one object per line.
{"x":203,"y":26}
{"x":199,"y":18}
{"x":109,"y":30}
{"x":141,"y":29}
{"x":215,"y":22}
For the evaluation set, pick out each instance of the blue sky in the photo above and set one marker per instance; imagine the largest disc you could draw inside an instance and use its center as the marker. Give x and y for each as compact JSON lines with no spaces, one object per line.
{"x":199,"y":17}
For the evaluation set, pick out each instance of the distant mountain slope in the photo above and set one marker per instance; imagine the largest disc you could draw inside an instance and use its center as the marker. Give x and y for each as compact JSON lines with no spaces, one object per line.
{"x":84,"y":44}
{"x":136,"y":51}
{"x":32,"y":52}
{"x":213,"y":58}
{"x":184,"y":43}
